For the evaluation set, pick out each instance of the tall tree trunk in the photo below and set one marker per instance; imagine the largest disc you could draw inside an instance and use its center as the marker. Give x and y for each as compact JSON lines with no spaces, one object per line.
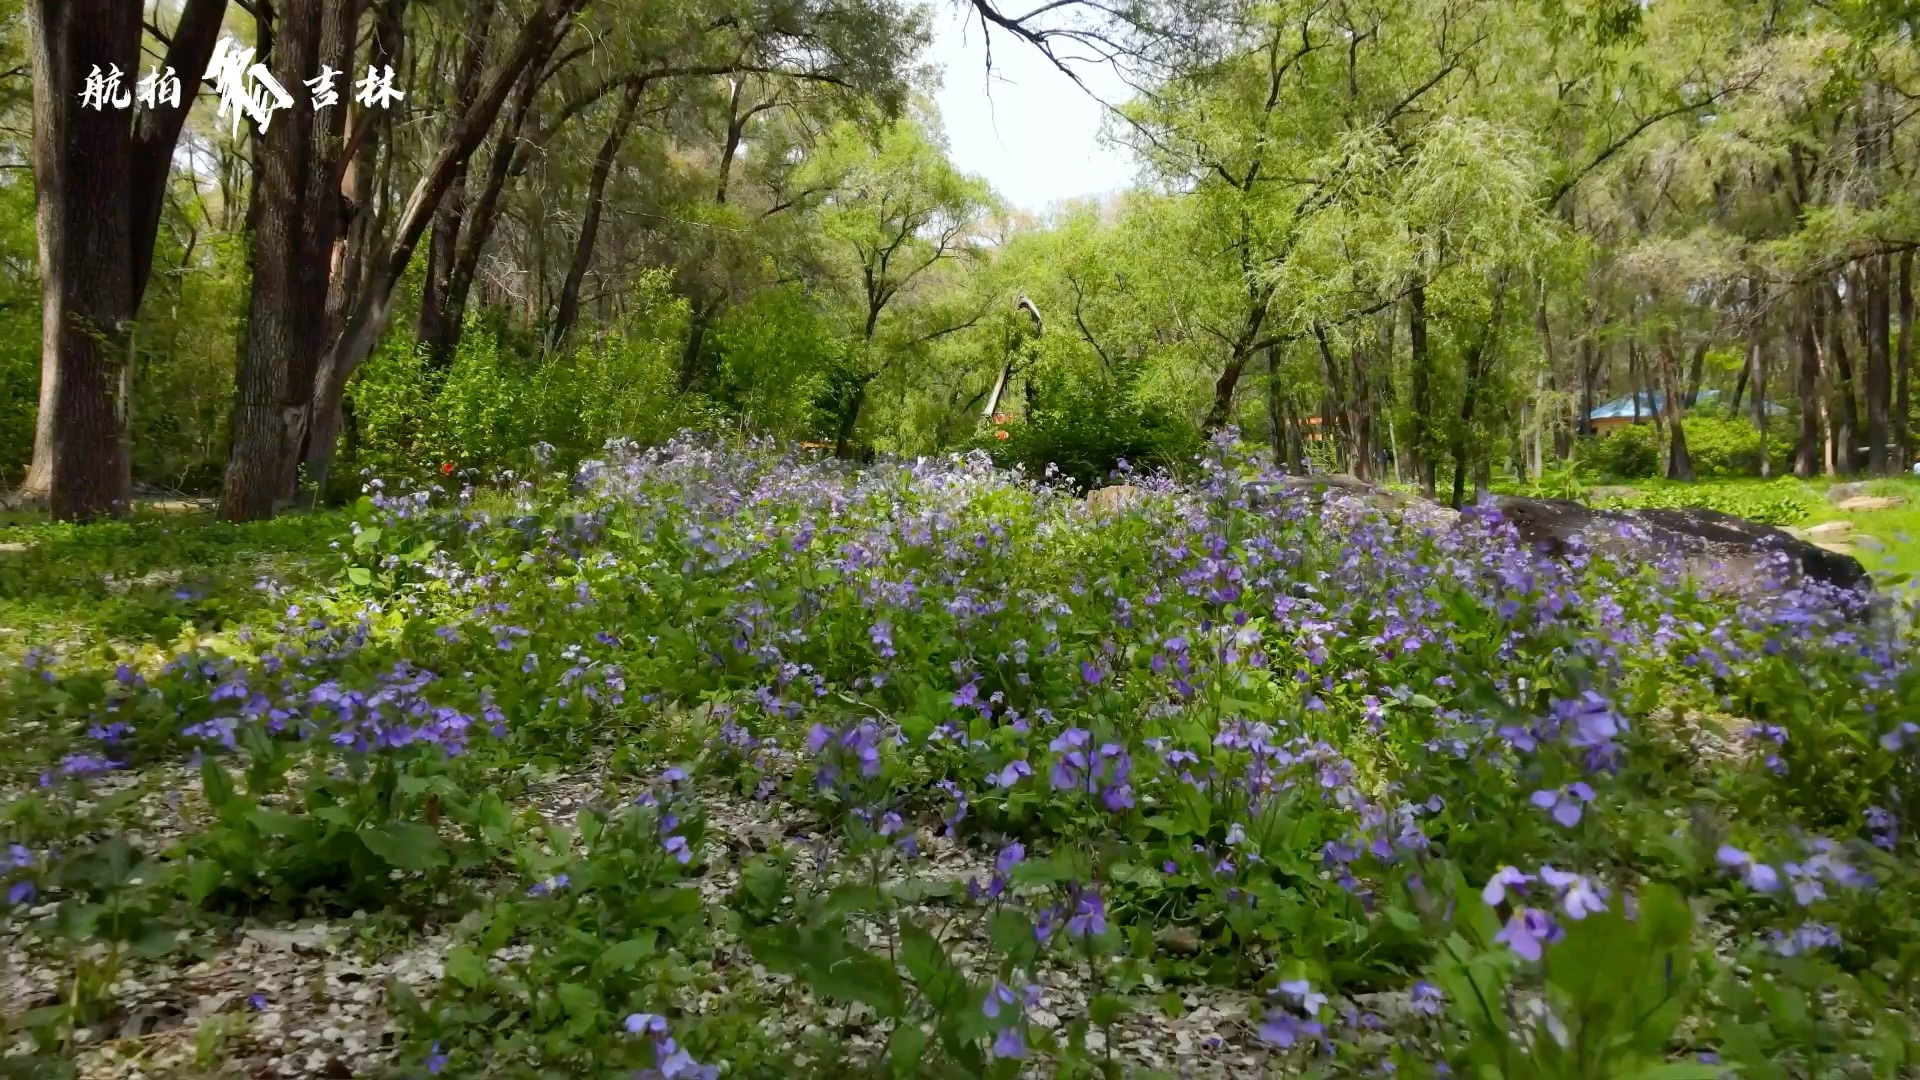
{"x":283,"y":317}
{"x":569,"y":309}
{"x":1276,"y":409}
{"x":1757,"y":366}
{"x":357,"y":234}
{"x":1223,"y":387}
{"x":1589,"y":370}
{"x":1806,"y":457}
{"x":100,"y":184}
{"x":82,"y":159}
{"x":1679,"y":462}
{"x":850,"y":418}
{"x":1903,"y":375}
{"x":1878,"y":310}
{"x":437,"y":328}
{"x":373,"y":305}
{"x":1477,"y":358}
{"x":1696,"y":373}
{"x":1421,"y":392}
{"x":1846,"y":424}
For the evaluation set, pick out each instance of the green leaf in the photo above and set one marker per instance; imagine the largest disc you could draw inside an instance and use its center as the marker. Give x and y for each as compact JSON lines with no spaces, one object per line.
{"x":466,"y":967}
{"x":582,"y":1005}
{"x":577,"y":999}
{"x":359,"y":575}
{"x":366,"y":539}
{"x":1106,"y":1008}
{"x":407,"y":845}
{"x":1010,"y":931}
{"x":932,"y":970}
{"x":214,"y":784}
{"x":1682,"y":1071}
{"x":905,"y":1049}
{"x":629,"y":952}
{"x":272,"y":822}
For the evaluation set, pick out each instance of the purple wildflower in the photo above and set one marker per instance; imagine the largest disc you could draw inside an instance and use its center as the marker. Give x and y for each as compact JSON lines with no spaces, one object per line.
{"x":1527,"y":930}
{"x":1507,"y":877}
{"x":1564,"y":803}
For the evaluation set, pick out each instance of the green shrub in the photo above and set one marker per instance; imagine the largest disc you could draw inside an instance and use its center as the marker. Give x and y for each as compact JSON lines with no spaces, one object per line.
{"x":494,"y":403}
{"x":1628,"y":454}
{"x":1084,"y":430}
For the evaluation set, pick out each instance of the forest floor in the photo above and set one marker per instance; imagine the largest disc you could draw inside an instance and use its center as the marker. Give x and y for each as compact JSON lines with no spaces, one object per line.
{"x":256,"y":982}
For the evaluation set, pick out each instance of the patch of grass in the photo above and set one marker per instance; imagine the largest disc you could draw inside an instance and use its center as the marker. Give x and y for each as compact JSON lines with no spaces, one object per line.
{"x":1887,"y":542}
{"x":143,"y":579}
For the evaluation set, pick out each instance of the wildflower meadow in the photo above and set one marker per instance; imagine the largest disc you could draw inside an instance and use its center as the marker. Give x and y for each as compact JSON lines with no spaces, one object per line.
{"x":700,"y":761}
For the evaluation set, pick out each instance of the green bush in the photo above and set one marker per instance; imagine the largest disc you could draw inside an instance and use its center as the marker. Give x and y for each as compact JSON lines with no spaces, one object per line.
{"x":1084,"y":430}
{"x":1724,"y":447}
{"x":494,"y":403}
{"x":1628,"y":454}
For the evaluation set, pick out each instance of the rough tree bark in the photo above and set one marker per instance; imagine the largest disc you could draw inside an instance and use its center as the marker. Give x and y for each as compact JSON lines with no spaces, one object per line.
{"x":1902,"y":417}
{"x":282,"y":326}
{"x":569,"y":307}
{"x":1846,"y":422}
{"x":1877,"y":309}
{"x":1806,"y":455}
{"x":99,"y":185}
{"x":358,"y":230}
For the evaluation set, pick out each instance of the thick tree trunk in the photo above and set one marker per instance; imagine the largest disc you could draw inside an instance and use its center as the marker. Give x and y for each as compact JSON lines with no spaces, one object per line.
{"x":99,"y":189}
{"x":1223,"y":387}
{"x":1422,"y":390}
{"x":82,"y":159}
{"x":1696,"y":373}
{"x":1903,"y":363}
{"x":1757,"y":367}
{"x":850,"y":418}
{"x":569,"y":307}
{"x":358,"y":230}
{"x":1878,"y":311}
{"x":1679,"y":462}
{"x":544,"y":28}
{"x":1806,"y":457}
{"x":1846,"y":422}
{"x":273,"y":388}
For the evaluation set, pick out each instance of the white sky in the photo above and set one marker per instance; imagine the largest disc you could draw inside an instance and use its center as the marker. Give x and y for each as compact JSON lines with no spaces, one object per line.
{"x":1032,"y":133}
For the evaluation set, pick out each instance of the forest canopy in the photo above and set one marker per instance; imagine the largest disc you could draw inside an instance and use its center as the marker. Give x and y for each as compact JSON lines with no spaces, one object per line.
{"x":1413,"y":240}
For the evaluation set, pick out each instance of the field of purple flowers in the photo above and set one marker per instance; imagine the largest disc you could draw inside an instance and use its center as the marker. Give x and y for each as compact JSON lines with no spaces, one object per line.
{"x":932,"y":771}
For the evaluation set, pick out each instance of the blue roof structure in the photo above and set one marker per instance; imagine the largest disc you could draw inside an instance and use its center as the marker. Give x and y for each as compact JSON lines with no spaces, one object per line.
{"x":1621,"y":408}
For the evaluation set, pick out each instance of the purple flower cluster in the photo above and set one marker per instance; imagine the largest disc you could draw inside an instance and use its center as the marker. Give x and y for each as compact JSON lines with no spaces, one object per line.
{"x":1103,"y":772}
{"x":1528,"y":929}
{"x":670,"y":1060}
